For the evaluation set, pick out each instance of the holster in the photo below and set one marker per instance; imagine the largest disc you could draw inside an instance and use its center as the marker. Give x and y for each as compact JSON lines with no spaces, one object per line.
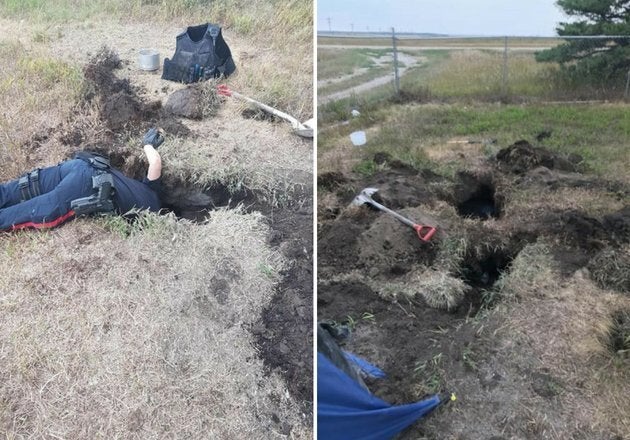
{"x":99,"y":203}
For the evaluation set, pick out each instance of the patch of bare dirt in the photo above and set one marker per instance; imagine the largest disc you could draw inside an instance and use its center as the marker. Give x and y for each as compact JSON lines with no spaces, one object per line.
{"x":371,"y":267}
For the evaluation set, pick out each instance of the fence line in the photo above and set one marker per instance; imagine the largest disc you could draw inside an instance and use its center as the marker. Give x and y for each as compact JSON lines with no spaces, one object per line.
{"x":504,"y":87}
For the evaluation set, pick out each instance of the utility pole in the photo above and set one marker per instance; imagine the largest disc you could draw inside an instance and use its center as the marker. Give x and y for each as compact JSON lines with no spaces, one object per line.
{"x":396,"y":77}
{"x":351,"y":27}
{"x":329,"y":29}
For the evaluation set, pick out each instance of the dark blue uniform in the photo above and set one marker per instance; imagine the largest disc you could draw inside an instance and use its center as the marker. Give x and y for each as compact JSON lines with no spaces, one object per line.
{"x":59,"y":186}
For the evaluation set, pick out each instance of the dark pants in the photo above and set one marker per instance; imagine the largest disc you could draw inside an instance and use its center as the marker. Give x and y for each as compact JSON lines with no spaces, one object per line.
{"x":59,"y":185}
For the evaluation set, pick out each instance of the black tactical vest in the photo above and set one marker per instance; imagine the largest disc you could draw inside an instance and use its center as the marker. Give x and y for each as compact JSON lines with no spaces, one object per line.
{"x":201,"y":53}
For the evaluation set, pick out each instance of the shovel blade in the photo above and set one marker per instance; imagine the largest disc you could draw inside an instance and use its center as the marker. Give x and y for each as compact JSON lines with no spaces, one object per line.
{"x":365,"y":196}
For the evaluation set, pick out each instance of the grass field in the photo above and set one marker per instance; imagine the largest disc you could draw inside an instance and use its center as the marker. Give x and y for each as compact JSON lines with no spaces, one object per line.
{"x":597,"y":132}
{"x":465,"y":71}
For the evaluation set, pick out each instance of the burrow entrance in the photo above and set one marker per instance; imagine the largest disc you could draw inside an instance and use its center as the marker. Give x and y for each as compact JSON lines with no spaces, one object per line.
{"x":192,"y":203}
{"x":475,"y":196}
{"x":481,"y":205}
{"x":619,"y":333}
{"x":481,"y":273}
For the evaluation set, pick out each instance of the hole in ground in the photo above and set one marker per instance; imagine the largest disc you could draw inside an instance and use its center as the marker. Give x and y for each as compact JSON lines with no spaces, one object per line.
{"x":481,"y":273}
{"x":481,"y":204}
{"x":195,"y":203}
{"x":619,"y":333}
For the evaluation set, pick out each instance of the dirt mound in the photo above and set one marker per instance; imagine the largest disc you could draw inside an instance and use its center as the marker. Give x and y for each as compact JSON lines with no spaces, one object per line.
{"x":522,"y":157}
{"x":580,"y":230}
{"x":120,"y":106}
{"x":618,"y":225}
{"x":116,"y":97}
{"x":194,"y":102}
{"x":337,"y":244}
{"x":390,"y":248}
{"x":396,"y":191}
{"x":330,"y":181}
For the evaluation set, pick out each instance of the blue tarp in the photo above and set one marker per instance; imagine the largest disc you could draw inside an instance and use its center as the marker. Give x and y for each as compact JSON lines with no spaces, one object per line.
{"x":347,"y":411}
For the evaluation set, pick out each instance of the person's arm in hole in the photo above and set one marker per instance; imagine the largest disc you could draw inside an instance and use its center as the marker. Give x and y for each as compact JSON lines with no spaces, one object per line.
{"x":155,"y":162}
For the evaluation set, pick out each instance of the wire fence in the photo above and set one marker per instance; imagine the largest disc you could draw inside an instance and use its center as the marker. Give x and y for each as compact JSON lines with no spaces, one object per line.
{"x":442,"y":68}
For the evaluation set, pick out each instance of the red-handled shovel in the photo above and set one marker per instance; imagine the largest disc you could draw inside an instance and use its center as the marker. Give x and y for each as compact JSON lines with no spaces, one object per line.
{"x":304,"y":130}
{"x":366,"y":197}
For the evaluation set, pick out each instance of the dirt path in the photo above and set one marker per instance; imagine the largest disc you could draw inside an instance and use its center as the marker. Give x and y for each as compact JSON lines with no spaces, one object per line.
{"x":408,"y":61}
{"x":381,"y":61}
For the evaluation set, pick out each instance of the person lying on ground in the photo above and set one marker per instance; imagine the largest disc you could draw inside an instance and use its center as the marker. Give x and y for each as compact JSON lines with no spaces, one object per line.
{"x":87,"y":184}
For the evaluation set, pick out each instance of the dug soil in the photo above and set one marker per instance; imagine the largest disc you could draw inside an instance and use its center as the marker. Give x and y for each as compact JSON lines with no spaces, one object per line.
{"x":370,"y":267}
{"x":284,"y":331}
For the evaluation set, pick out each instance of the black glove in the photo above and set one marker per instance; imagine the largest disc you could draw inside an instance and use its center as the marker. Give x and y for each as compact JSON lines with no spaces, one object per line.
{"x":153,"y":137}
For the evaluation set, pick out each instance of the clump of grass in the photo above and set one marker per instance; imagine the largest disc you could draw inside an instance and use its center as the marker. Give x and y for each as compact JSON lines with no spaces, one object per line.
{"x":366,"y":168}
{"x":451,"y":254}
{"x":532,"y":272}
{"x":210,"y":99}
{"x":271,"y":166}
{"x":431,"y":375}
{"x":610,"y":269}
{"x":440,"y":289}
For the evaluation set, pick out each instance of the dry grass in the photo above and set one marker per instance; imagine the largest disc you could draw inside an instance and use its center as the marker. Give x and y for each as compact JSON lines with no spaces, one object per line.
{"x":118,"y":331}
{"x":611,"y":269}
{"x":272,"y":43}
{"x":142,"y":336}
{"x":565,"y":329}
{"x":590,"y":201}
{"x":37,"y":93}
{"x":274,"y":160}
{"x":440,"y":290}
{"x":532,"y":273}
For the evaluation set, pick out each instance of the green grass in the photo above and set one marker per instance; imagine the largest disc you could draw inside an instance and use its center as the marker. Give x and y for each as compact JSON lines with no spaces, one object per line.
{"x":332,"y":63}
{"x":599,"y":133}
{"x":479,"y":75}
{"x":366,"y":168}
{"x":247,"y":18}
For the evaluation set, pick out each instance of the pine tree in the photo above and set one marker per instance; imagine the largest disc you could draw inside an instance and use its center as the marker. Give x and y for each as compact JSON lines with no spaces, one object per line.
{"x":604,"y":58}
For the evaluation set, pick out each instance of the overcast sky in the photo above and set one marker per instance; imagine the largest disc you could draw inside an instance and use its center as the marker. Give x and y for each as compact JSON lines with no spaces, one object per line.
{"x":454,"y":17}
